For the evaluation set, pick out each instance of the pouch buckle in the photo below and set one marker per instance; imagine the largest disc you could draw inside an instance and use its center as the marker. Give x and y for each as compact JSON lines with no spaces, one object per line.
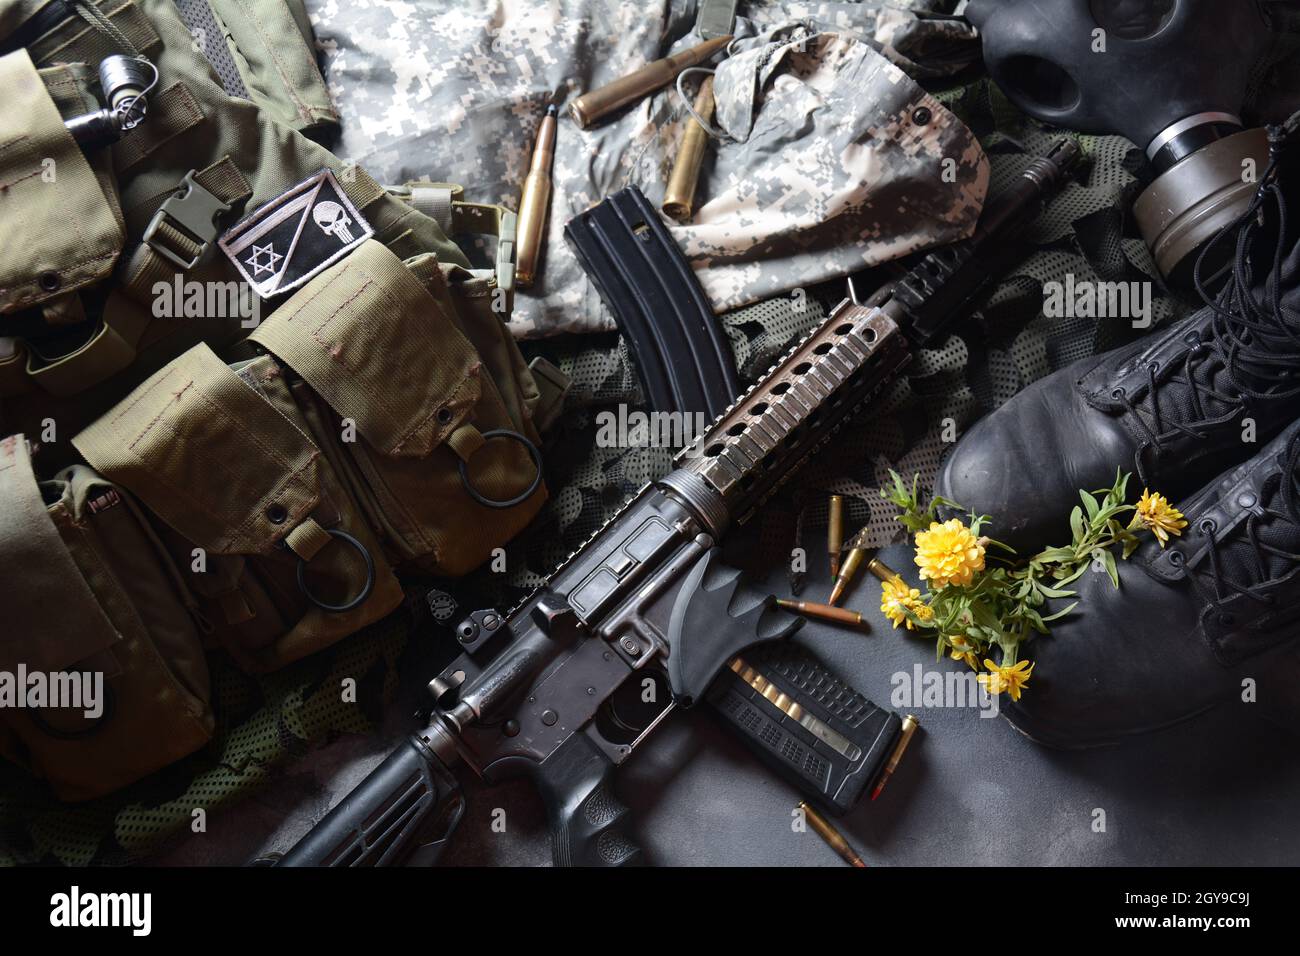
{"x":194,"y":210}
{"x":506,"y":233}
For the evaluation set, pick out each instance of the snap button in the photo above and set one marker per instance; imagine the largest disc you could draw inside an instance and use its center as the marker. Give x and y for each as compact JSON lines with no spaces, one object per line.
{"x":49,"y":281}
{"x":276,"y":514}
{"x":921,"y":116}
{"x":443,"y":415}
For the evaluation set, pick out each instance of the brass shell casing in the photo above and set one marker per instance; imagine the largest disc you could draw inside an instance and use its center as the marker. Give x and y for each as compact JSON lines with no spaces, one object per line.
{"x":910,"y":724}
{"x":596,"y":104}
{"x":534,"y":200}
{"x":848,"y":570}
{"x":835,"y":533}
{"x":834,"y":839}
{"x":822,"y":612}
{"x":679,"y":197}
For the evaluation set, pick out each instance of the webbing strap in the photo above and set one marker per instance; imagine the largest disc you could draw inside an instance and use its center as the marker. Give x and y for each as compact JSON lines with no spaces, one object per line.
{"x":202,"y":23}
{"x":307,"y":539}
{"x":441,"y":203}
{"x":177,"y":239}
{"x":52,"y":619}
{"x":464,"y":441}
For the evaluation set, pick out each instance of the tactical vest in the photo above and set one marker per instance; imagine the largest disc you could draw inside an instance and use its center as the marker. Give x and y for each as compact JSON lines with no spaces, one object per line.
{"x":179,"y":474}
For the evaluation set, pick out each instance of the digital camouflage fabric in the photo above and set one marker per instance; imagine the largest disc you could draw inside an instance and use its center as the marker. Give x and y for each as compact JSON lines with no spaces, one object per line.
{"x":264,"y":723}
{"x":832,"y":158}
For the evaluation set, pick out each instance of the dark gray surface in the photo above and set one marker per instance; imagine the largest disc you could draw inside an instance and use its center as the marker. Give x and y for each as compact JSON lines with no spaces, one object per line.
{"x":1221,"y":789}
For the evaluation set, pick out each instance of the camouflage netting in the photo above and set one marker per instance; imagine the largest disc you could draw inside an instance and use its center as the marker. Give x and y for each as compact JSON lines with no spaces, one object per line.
{"x":265,"y":721}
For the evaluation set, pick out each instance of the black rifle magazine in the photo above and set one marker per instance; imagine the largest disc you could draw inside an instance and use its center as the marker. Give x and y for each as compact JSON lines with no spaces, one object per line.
{"x":816,"y":731}
{"x":681,"y":353}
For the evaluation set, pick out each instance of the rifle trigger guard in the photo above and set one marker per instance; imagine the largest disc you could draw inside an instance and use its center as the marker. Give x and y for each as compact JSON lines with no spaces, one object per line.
{"x":533,"y":453}
{"x":366,"y":588}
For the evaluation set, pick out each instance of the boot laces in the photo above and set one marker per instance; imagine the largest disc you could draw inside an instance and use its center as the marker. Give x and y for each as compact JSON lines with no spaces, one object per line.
{"x":1253,"y":342}
{"x":1239,"y":562}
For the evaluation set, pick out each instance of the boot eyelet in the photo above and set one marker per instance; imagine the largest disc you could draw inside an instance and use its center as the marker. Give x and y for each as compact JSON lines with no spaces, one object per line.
{"x":1208,"y":526}
{"x":1175,"y":557}
{"x":1153,"y":366}
{"x":1118,"y":392}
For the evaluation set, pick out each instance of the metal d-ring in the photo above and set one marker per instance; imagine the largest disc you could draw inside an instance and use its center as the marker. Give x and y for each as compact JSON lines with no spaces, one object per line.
{"x":533,"y":453}
{"x":365,"y":590}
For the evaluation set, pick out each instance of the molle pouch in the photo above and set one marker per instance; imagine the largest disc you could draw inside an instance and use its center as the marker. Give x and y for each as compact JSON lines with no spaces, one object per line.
{"x":64,"y":234}
{"x":410,"y":384}
{"x":102,"y":674}
{"x":278,"y":556}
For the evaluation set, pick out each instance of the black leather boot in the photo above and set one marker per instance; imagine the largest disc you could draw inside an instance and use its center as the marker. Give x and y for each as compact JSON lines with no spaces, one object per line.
{"x":1188,"y":623}
{"x":1172,"y":408}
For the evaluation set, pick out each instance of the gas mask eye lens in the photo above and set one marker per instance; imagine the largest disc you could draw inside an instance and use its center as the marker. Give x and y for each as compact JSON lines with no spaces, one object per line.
{"x":1132,"y":19}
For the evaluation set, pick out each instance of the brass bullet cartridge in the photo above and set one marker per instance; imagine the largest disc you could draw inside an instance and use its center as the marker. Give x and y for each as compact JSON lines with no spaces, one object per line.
{"x":822,"y":612}
{"x":596,"y":104}
{"x":847,"y":572}
{"x":679,"y":197}
{"x":835,"y":534}
{"x":834,"y":839}
{"x":909,"y":728}
{"x":883,"y":571}
{"x":534,"y":201}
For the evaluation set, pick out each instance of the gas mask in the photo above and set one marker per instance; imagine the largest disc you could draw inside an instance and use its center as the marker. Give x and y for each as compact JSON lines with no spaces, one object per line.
{"x":1170,"y":75}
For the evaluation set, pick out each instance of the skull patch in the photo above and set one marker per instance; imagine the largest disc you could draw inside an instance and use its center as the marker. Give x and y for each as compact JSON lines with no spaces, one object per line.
{"x":333,"y":221}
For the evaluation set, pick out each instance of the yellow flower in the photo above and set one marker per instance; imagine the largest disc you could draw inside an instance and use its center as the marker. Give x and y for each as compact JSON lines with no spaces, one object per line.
{"x":1011,"y":679}
{"x":896,"y":597}
{"x":961,"y":650}
{"x":1157,"y":515}
{"x":948,"y":554}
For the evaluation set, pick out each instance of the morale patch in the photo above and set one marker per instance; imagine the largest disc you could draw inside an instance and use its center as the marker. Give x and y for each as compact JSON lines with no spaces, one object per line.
{"x":296,"y":235}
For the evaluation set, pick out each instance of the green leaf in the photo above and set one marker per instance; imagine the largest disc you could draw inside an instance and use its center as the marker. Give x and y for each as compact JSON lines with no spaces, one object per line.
{"x":1090,"y":503}
{"x":1054,"y":592}
{"x":1108,"y":559}
{"x":1052,"y":555}
{"x":1076,"y":523}
{"x":1060,"y":614}
{"x":1073,"y":574}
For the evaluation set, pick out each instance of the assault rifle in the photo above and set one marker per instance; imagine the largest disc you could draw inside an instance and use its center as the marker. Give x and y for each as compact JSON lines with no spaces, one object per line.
{"x":555,"y":689}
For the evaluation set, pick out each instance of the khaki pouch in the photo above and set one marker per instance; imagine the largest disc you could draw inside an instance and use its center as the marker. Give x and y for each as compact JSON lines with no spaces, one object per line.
{"x":97,"y":597}
{"x":71,"y":233}
{"x":417,"y":402}
{"x":276,"y":553}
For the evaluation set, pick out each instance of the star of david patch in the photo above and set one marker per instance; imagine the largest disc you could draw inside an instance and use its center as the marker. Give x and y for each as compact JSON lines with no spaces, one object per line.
{"x":294,"y":236}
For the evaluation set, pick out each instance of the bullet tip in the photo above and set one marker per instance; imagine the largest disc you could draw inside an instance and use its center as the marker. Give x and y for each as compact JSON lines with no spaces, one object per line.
{"x":552,"y":110}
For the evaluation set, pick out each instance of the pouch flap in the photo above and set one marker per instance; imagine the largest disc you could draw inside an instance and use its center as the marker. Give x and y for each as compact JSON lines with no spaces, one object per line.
{"x":372,"y":342}
{"x":52,"y":619}
{"x":49,"y":197}
{"x":207,"y":454}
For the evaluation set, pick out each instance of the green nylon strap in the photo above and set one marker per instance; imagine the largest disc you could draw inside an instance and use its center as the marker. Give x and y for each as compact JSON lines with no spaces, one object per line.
{"x":52,"y":619}
{"x":464,"y":441}
{"x":442,"y":203}
{"x":222,"y":180}
{"x":307,"y":539}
